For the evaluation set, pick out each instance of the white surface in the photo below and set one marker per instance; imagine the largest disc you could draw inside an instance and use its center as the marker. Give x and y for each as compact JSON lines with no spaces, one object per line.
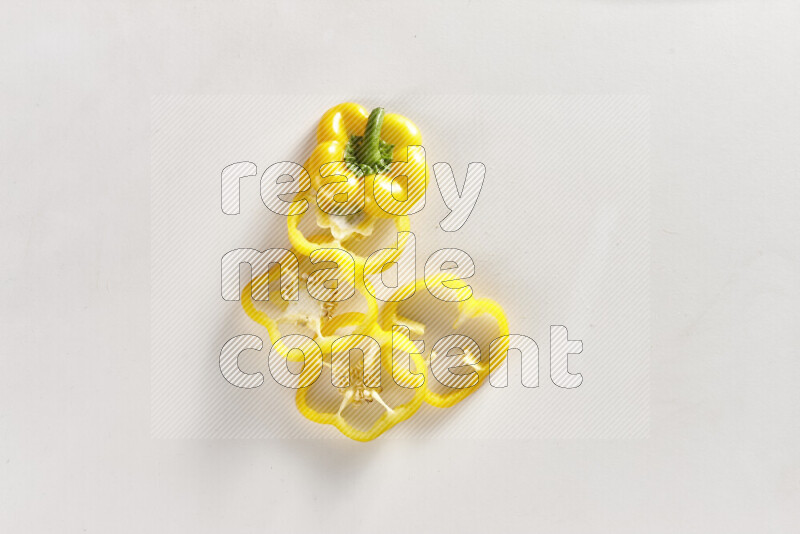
{"x":75,"y":447}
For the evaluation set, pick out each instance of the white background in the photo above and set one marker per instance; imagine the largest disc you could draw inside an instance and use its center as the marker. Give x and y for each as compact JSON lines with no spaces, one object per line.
{"x":75,"y":447}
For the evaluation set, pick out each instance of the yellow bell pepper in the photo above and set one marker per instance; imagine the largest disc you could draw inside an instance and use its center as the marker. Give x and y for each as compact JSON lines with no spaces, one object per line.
{"x":367,"y":144}
{"x":306,"y":246}
{"x":316,"y":321}
{"x":362,"y":171}
{"x":467,"y":309}
{"x":357,"y":395}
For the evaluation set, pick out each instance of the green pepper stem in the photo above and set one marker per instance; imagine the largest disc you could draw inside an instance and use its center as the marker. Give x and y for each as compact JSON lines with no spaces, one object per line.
{"x":369,"y":152}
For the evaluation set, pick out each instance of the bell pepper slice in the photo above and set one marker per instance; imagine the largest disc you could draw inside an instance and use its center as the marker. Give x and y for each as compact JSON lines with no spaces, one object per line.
{"x":354,"y":398}
{"x":306,"y":246}
{"x":315,"y":316}
{"x":471,"y":308}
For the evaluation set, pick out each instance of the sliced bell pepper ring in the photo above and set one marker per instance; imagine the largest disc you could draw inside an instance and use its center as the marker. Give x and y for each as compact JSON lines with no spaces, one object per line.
{"x":306,"y":246}
{"x":324,"y":311}
{"x":360,"y":391}
{"x":466,"y":309}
